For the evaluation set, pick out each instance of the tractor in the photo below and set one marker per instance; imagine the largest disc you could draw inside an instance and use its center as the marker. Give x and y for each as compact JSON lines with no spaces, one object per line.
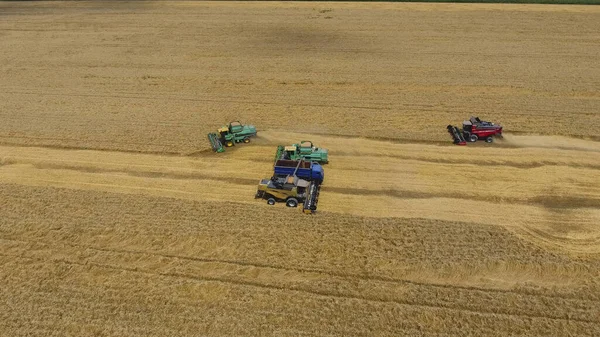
{"x":291,"y":190}
{"x":474,"y":129}
{"x":304,"y":150}
{"x":231,"y":134}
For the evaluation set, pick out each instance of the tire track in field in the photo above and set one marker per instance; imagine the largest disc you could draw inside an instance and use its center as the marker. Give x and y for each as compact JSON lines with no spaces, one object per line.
{"x":117,"y":182}
{"x":298,"y":289}
{"x":205,"y":148}
{"x":368,"y":145}
{"x":149,"y":174}
{"x":237,"y":100}
{"x":491,"y":162}
{"x":545,"y":238}
{"x":169,"y":176}
{"x":87,"y":148}
{"x":304,"y":270}
{"x":550,"y":202}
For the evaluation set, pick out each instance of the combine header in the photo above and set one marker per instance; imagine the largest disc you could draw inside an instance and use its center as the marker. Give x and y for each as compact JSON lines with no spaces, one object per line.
{"x":231,"y":134}
{"x":457,"y":135}
{"x":312,"y":198}
{"x":473,"y":130}
{"x":304,"y":150}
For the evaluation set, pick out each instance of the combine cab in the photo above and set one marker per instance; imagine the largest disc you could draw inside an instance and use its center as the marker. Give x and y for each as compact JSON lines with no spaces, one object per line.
{"x":231,"y":134}
{"x":291,"y":190}
{"x":474,"y":129}
{"x":305,"y":150}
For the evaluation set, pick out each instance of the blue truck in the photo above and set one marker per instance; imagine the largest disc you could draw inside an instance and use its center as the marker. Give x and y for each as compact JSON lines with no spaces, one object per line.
{"x":306,"y":170}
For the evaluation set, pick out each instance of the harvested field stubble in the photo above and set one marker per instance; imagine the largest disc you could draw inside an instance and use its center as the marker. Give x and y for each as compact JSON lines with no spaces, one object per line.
{"x":390,"y":267}
{"x":116,"y":219}
{"x":168,"y":226}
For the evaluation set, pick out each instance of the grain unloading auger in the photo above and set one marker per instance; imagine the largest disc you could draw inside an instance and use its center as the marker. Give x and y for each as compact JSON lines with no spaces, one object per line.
{"x":231,"y":134}
{"x":279,"y":152}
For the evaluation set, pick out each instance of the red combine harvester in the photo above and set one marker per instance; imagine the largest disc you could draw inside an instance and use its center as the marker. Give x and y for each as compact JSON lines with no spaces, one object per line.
{"x":473,"y":130}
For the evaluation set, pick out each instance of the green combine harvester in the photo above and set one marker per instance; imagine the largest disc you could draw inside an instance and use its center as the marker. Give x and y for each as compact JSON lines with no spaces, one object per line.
{"x":305,"y":150}
{"x":228,"y":135}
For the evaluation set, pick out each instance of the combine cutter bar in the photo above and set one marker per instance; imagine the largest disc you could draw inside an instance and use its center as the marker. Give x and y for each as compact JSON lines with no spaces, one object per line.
{"x":215,"y":142}
{"x":312,"y":198}
{"x":279,"y":153}
{"x":457,"y":135}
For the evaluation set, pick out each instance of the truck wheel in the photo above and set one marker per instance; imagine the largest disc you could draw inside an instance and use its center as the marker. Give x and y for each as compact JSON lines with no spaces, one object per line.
{"x":473,"y":138}
{"x":246,"y":140}
{"x":489,"y":139}
{"x":271,"y":201}
{"x":291,"y":202}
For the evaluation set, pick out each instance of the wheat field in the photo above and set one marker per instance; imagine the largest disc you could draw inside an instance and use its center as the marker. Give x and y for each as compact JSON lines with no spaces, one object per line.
{"x":116,"y":219}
